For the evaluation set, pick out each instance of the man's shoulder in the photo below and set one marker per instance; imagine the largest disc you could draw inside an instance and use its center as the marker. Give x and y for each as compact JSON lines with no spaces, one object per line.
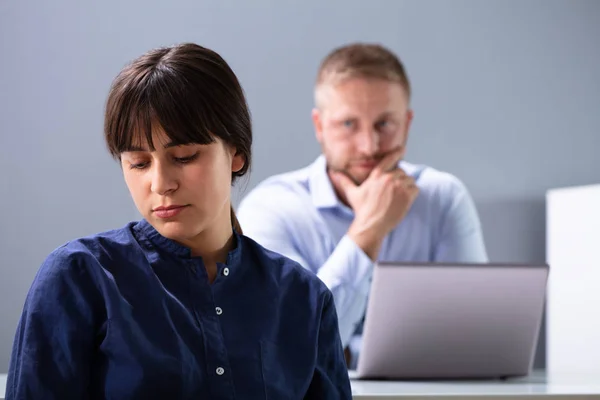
{"x":433,"y":181}
{"x":286,"y":272}
{"x":290,"y":188}
{"x":297,"y":178}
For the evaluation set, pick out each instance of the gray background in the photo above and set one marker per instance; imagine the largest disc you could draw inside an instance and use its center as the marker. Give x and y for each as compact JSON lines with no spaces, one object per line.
{"x":506,"y":96}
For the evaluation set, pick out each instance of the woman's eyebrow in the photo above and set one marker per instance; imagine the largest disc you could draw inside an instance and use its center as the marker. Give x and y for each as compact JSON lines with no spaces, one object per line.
{"x":138,"y":148}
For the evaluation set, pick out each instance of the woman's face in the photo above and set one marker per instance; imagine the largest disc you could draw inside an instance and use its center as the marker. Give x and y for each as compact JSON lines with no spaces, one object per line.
{"x":183,"y":191}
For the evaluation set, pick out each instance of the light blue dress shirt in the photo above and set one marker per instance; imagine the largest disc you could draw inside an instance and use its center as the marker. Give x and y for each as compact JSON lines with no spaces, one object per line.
{"x":299,"y":215}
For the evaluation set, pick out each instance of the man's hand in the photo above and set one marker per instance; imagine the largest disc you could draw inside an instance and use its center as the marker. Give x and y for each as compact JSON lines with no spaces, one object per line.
{"x":379,"y":203}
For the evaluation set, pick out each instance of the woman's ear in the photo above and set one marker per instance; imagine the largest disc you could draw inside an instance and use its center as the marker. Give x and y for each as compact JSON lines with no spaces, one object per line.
{"x":237,"y":161}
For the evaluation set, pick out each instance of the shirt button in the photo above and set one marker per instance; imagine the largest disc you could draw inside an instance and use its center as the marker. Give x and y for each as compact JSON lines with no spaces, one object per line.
{"x":220,"y":371}
{"x":219,"y":310}
{"x":225,"y":271}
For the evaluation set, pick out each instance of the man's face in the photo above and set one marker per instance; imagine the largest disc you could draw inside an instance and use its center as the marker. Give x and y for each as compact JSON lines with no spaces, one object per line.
{"x":359,"y":121}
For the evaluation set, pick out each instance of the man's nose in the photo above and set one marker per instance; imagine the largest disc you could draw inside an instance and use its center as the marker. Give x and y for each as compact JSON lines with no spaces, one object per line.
{"x":368,"y":142}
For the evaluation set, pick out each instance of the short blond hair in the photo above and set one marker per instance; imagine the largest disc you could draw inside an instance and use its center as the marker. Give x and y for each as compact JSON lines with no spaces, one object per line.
{"x":362,"y":60}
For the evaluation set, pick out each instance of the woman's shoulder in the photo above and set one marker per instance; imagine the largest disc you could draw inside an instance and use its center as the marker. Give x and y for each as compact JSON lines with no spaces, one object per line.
{"x":81,"y":252}
{"x":74,"y":277}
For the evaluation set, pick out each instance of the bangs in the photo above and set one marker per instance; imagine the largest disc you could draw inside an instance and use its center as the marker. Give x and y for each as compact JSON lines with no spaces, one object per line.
{"x":142,"y":102}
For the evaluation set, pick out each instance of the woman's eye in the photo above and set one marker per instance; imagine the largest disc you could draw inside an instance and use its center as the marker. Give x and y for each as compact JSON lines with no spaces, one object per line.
{"x":138,"y":165}
{"x":184,"y":160}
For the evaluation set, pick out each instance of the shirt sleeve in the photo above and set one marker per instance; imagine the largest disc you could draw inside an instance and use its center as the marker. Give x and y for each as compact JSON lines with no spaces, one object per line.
{"x":461,"y":236}
{"x":54,"y":342}
{"x":330,"y":379}
{"x":347,"y":271}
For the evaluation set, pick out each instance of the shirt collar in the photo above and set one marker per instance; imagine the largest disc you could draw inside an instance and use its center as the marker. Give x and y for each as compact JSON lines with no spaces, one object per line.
{"x":145,"y":231}
{"x":321,"y":190}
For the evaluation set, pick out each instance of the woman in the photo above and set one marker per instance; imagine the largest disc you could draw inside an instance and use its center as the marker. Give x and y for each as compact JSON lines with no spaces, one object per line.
{"x":178,"y":305}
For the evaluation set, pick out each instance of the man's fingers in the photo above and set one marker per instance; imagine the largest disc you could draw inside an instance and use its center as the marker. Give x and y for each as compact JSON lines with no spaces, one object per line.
{"x":398,"y":173}
{"x":389,"y":162}
{"x":402,"y":179}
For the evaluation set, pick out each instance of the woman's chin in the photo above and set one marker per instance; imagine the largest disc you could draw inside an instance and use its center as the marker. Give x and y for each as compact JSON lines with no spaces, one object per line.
{"x":174,"y":230}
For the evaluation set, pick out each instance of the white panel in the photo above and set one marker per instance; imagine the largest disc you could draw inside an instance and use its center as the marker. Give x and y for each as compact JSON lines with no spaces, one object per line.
{"x":573,"y":307}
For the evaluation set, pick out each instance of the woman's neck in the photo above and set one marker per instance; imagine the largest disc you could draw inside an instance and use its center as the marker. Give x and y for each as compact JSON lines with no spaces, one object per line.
{"x":212,"y":256}
{"x":214,"y":244}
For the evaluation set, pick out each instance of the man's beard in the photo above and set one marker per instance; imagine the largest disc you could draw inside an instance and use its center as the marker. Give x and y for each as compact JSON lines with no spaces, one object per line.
{"x":347,"y":170}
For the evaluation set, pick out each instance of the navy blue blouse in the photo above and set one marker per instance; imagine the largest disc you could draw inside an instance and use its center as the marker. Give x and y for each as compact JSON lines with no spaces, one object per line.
{"x":130,"y":314}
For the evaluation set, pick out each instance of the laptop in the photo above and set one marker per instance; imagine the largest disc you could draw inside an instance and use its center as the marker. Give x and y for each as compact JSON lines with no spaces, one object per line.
{"x":452,"y":321}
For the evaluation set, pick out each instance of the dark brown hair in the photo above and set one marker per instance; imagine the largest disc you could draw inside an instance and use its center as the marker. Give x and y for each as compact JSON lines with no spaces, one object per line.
{"x":364,"y":60}
{"x":190,"y":92}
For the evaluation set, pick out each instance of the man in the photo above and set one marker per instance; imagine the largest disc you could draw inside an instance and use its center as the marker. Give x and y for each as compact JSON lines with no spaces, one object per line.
{"x":360,"y":202}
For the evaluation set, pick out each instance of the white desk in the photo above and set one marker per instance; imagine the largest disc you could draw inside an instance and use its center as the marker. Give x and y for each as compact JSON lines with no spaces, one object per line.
{"x":533,"y":387}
